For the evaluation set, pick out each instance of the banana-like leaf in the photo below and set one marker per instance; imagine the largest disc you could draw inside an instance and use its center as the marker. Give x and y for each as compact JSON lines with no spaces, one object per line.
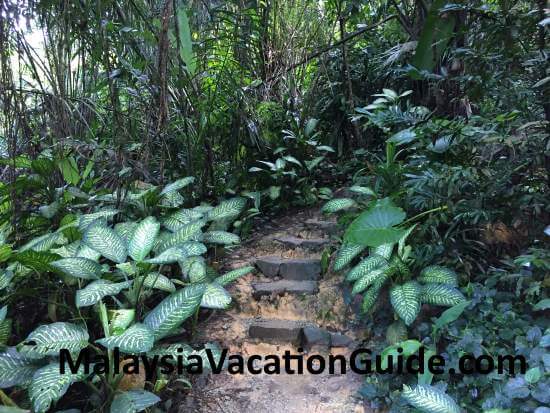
{"x":346,"y":254}
{"x":384,"y":250}
{"x":439,"y":275}
{"x":159,"y":281}
{"x":44,"y":242}
{"x":429,"y":399}
{"x":125,"y":230}
{"x":231,"y":276}
{"x":339,"y":204}
{"x":177,"y":185}
{"x":78,"y":267}
{"x":180,"y":218}
{"x":120,"y":320}
{"x":96,"y":290}
{"x":368,"y":279}
{"x":372,"y":262}
{"x":86,"y":252}
{"x":49,"y":339}
{"x":441,"y":294}
{"x":137,"y":339}
{"x":216,"y":297}
{"x":171,"y":255}
{"x":405,"y":300}
{"x":133,"y":401}
{"x":228,"y":209}
{"x":143,"y":238}
{"x":107,"y":242}
{"x":15,"y":368}
{"x":49,"y":385}
{"x":220,"y":237}
{"x":84,"y":221}
{"x":186,"y":233}
{"x":171,"y":312}
{"x":37,"y":260}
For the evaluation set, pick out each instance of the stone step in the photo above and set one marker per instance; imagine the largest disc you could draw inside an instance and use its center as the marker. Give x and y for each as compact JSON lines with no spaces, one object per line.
{"x":330,"y":227}
{"x":275,"y":330}
{"x":298,"y":269}
{"x":260,"y":289}
{"x":305,"y":243}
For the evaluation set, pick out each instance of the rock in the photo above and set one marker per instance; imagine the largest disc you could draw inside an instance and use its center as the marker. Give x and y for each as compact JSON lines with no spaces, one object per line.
{"x":311,"y":243}
{"x":301,"y":269}
{"x":298,"y":269}
{"x":339,"y":340}
{"x":315,"y":336}
{"x":273,"y":330}
{"x":329,"y":227}
{"x":284,"y":286}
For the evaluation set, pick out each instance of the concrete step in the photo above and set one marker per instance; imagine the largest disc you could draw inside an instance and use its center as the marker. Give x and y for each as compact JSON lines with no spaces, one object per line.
{"x":275,"y":330}
{"x":298,"y":269}
{"x":260,"y":289}
{"x":305,"y":243}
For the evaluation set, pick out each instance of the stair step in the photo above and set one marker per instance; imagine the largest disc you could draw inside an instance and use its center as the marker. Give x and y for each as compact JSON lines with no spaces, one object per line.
{"x":330,"y":227}
{"x":295,"y":242}
{"x":298,"y":269}
{"x":275,"y":330}
{"x":281,"y":287}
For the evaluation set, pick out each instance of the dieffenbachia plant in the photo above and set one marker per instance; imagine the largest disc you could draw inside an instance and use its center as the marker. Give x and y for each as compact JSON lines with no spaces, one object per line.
{"x":112,"y":269}
{"x":380,"y":232}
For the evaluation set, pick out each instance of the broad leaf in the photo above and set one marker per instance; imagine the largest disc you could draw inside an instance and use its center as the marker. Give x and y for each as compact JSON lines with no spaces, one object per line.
{"x":133,"y":401}
{"x":228,"y":209}
{"x":15,"y":368}
{"x":216,"y":297}
{"x":84,"y":221}
{"x":441,"y":294}
{"x":220,"y":237}
{"x":186,"y":233}
{"x":49,"y":339}
{"x":78,"y":267}
{"x":346,"y":254}
{"x":335,"y":205}
{"x":137,"y":339}
{"x":372,"y":262}
{"x":107,"y":242}
{"x":120,"y":320}
{"x":429,"y":399}
{"x":231,"y":276}
{"x":143,"y":238}
{"x":405,"y":300}
{"x":158,"y":281}
{"x":96,"y":290}
{"x":177,"y":185}
{"x":439,"y":275}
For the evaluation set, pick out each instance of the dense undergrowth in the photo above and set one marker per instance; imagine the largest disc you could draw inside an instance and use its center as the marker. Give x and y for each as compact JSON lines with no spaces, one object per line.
{"x":138,"y":139}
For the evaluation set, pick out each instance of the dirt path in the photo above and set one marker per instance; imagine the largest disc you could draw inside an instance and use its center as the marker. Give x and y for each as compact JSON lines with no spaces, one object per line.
{"x":271,"y":309}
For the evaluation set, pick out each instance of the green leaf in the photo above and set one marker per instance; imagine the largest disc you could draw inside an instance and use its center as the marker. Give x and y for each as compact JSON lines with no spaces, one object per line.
{"x":368,"y":279}
{"x":231,"y":276}
{"x":177,"y":185}
{"x":126,"y":230}
{"x":228,"y":209}
{"x":133,"y":401}
{"x":107,"y":242}
{"x":5,"y":331}
{"x":96,"y":290}
{"x":220,"y":237}
{"x":171,"y":312}
{"x":169,"y":256}
{"x":427,"y":376}
{"x":179,"y":218}
{"x":69,"y":170}
{"x":216,"y":297}
{"x":438,"y":274}
{"x":186,"y":233}
{"x":346,"y":254}
{"x":78,"y":267}
{"x":340,"y":204}
{"x":49,"y":385}
{"x":195,"y":269}
{"x":159,"y":281}
{"x":533,"y":375}
{"x":376,"y":226}
{"x":369,"y":299}
{"x":396,"y":332}
{"x":120,"y":320}
{"x":372,"y":262}
{"x":185,"y":41}
{"x":85,"y":221}
{"x":402,"y":137}
{"x":429,"y":399}
{"x":137,"y":339}
{"x":5,"y":252}
{"x":16,"y":369}
{"x":5,"y":278}
{"x":441,"y":294}
{"x":409,"y":347}
{"x":37,"y":260}
{"x":49,"y":339}
{"x":543,"y":304}
{"x":405,"y":300}
{"x":43,"y":243}
{"x":143,"y":238}
{"x":362,"y":190}
{"x":384,"y":250}
{"x":450,"y":314}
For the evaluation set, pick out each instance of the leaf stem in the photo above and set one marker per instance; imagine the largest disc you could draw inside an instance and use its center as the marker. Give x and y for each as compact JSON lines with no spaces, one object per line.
{"x":440,"y":208}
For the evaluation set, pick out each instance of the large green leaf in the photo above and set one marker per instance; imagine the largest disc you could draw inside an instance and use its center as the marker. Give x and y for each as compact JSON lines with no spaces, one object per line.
{"x":107,"y":242}
{"x":49,"y":339}
{"x":137,"y":339}
{"x":376,"y":226}
{"x":44,"y":242}
{"x":346,"y":254}
{"x":439,"y":275}
{"x":362,"y":190}
{"x":49,"y":385}
{"x":171,"y":312}
{"x":450,"y":314}
{"x":85,"y":221}
{"x":179,"y":218}
{"x":126,"y":230}
{"x":429,"y":399}
{"x":37,"y":260}
{"x":185,"y":41}
{"x":133,"y":401}
{"x":5,"y":278}
{"x":96,"y":290}
{"x":441,"y":294}
{"x":216,"y":297}
{"x":339,"y":204}
{"x":405,"y":300}
{"x":368,"y":279}
{"x":194,"y":268}
{"x":177,"y":185}
{"x":159,"y":281}
{"x":384,"y":250}
{"x":15,"y":368}
{"x":143,"y":238}
{"x":372,"y":262}
{"x":69,"y":170}
{"x":120,"y":320}
{"x":408,"y":348}
{"x":220,"y":237}
{"x":188,"y":232}
{"x":228,"y":209}
{"x":78,"y":267}
{"x":232,"y":275}
{"x":171,"y":255}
